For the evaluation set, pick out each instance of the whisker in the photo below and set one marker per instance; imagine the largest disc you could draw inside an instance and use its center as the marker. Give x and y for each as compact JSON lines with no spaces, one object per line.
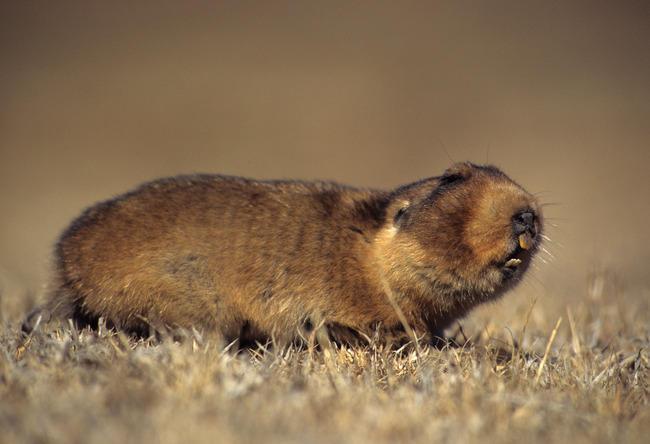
{"x":547,"y":241}
{"x":548,"y":257}
{"x":551,"y":254}
{"x":548,"y":264}
{"x":546,"y":251}
{"x":555,"y":229}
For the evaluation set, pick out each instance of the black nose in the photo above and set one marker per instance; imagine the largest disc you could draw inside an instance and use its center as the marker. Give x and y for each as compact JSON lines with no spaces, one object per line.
{"x":524,"y":222}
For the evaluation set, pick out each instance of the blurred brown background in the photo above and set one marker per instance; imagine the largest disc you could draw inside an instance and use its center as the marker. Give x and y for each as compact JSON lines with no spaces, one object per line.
{"x":96,"y":97}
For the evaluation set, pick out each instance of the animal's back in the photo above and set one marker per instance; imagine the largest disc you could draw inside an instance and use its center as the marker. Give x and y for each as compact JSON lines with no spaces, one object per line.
{"x":211,"y":251}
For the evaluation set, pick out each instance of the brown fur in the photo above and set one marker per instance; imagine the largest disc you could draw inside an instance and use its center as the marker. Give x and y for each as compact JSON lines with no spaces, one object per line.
{"x":273,"y":258}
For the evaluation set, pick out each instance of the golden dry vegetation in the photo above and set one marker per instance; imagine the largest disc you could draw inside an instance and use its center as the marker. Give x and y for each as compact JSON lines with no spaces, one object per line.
{"x":590,"y":384}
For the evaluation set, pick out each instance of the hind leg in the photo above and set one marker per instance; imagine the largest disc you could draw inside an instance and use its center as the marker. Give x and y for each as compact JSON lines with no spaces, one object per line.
{"x":58,"y":307}
{"x":63,"y":304}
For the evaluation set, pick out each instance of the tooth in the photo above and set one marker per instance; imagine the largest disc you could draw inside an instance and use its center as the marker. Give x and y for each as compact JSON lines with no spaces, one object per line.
{"x":513,"y":262}
{"x":525,"y":241}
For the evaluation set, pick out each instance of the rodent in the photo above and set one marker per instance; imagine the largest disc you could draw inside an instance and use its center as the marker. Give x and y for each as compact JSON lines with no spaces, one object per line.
{"x":269,"y":259}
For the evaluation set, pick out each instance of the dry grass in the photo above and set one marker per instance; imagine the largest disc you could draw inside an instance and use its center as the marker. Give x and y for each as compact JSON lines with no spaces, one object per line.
{"x":587,"y":383}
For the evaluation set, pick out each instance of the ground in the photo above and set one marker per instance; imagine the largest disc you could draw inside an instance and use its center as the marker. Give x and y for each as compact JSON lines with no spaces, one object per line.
{"x":552,"y":371}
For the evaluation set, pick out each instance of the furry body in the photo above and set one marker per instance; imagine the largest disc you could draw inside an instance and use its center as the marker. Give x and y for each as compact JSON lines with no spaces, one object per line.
{"x":262,"y":259}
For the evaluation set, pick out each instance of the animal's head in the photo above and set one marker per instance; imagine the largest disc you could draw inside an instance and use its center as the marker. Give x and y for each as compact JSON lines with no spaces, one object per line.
{"x":472,"y":229}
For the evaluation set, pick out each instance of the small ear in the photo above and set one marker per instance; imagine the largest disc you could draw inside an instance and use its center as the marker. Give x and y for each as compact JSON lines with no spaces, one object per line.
{"x":457,"y":172}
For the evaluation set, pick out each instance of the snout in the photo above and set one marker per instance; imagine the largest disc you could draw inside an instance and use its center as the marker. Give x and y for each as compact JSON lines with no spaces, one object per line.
{"x":524,"y":222}
{"x":525,"y":228}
